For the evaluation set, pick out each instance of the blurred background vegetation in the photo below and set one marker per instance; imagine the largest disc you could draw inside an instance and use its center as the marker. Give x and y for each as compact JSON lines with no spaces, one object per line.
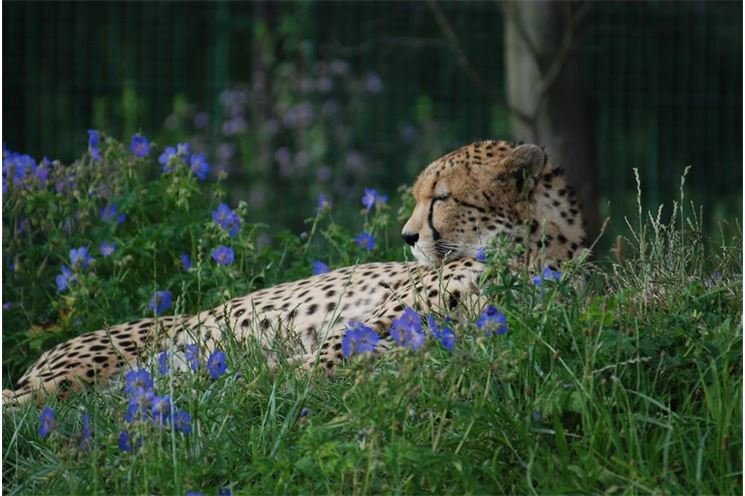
{"x":294,"y":99}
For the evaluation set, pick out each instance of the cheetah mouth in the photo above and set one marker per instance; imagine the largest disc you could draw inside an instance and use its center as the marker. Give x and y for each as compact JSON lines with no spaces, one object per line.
{"x":439,"y":252}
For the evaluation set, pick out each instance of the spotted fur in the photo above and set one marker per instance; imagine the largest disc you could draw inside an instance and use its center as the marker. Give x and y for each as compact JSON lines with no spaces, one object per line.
{"x":464,"y":200}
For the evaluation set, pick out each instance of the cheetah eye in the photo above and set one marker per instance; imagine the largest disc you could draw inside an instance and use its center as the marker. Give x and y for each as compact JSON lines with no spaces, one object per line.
{"x":442,"y":197}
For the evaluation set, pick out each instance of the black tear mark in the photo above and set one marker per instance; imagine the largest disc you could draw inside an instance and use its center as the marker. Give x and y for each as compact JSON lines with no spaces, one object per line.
{"x":435,"y":233}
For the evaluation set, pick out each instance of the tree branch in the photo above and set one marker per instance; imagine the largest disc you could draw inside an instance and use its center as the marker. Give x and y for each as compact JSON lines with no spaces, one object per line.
{"x":462,"y":59}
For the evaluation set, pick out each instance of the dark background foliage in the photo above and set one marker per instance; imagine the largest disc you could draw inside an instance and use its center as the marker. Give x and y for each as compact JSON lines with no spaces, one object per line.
{"x":664,"y":82}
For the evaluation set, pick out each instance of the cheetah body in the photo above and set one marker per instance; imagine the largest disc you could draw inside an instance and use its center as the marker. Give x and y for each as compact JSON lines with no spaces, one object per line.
{"x":464,"y":200}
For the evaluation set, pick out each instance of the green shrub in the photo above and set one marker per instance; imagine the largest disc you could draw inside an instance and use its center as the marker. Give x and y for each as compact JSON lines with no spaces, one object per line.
{"x":624,"y":377}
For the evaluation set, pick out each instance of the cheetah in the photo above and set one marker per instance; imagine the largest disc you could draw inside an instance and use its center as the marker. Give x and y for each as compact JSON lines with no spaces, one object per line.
{"x":464,"y":200}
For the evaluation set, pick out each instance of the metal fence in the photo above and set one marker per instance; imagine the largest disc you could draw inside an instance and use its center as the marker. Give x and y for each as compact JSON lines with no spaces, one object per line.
{"x":665,"y":78}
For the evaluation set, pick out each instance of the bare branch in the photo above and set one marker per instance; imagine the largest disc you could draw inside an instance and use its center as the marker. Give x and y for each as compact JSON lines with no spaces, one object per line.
{"x":473,"y":74}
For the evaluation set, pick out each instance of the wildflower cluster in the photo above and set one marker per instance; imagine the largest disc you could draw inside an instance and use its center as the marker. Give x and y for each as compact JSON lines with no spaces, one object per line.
{"x":227,"y":219}
{"x":80,"y":260}
{"x":22,"y":171}
{"x":94,"y":141}
{"x":110,"y":213}
{"x":145,"y":405}
{"x":316,"y":101}
{"x":548,"y":274}
{"x":408,"y":332}
{"x":372,"y":198}
{"x":181,"y":155}
{"x":359,"y":338}
{"x":48,"y":424}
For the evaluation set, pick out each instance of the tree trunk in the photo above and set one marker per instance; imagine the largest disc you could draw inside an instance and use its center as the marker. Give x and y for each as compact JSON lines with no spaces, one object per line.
{"x":545,"y":93}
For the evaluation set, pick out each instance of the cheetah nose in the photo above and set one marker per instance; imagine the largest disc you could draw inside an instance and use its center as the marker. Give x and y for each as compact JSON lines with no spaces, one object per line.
{"x":410,"y":238}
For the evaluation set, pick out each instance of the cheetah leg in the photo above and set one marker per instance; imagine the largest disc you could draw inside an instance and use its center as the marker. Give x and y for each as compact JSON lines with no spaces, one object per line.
{"x":88,"y":358}
{"x":438,"y":292}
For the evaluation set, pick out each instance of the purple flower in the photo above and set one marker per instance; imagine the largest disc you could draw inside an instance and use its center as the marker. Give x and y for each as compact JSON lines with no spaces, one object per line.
{"x":126,"y":441}
{"x":492,"y":320}
{"x":283,"y":156}
{"x":86,"y":432}
{"x":140,"y":146}
{"x":165,"y":158}
{"x":192,"y":356}
{"x":324,"y":202}
{"x":79,"y":257}
{"x":64,"y":279}
{"x":372,"y":198}
{"x":226,"y":218}
{"x":170,"y":154}
{"x":161,"y":409}
{"x":366,"y":241}
{"x":549,"y":274}
{"x":182,"y":421}
{"x":304,"y":412}
{"x":160,"y":302}
{"x":9,"y":262}
{"x":137,"y":380}
{"x":23,"y":225}
{"x":373,"y":83}
{"x":111,"y":213}
{"x":94,"y":139}
{"x":444,"y":334}
{"x":358,"y":338}
{"x":163,"y":365}
{"x":185,"y":260}
{"x":47,"y":422}
{"x":183,"y":149}
{"x":107,"y":248}
{"x":140,"y":402}
{"x":199,"y":166}
{"x":226,"y":151}
{"x":19,"y":169}
{"x":408,"y":133}
{"x":217,"y":364}
{"x":407,"y":330}
{"x":339,"y":67}
{"x":201,"y":120}
{"x":8,"y":305}
{"x":480,"y":254}
{"x":42,"y":172}
{"x":223,"y":255}
{"x":319,"y":268}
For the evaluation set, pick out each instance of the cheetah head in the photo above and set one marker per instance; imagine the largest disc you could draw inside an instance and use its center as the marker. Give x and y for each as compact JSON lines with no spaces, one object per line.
{"x":480,"y":191}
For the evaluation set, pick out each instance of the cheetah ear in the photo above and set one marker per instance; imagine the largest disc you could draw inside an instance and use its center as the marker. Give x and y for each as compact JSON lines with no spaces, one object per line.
{"x":527,"y":158}
{"x":521,"y":168}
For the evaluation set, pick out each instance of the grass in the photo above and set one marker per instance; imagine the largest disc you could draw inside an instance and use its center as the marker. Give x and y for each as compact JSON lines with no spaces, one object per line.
{"x":627,"y":382}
